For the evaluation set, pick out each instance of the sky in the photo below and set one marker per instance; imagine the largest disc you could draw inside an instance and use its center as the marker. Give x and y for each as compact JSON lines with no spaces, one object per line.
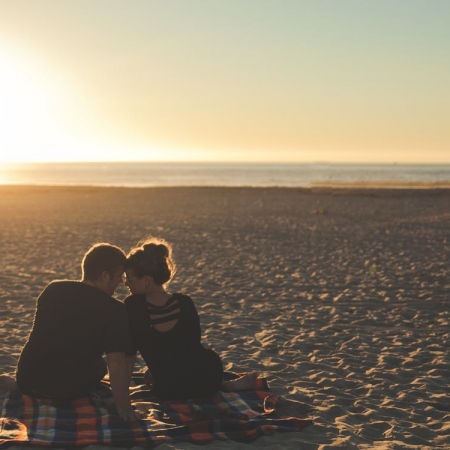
{"x":236,"y":81}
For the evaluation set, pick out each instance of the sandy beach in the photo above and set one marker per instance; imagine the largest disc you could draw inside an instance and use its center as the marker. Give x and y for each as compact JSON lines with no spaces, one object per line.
{"x":340,"y":297}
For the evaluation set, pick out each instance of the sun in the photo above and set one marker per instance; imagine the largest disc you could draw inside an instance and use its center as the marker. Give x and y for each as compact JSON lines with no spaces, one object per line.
{"x":41,"y":114}
{"x":28,"y":113}
{"x":44,"y":118}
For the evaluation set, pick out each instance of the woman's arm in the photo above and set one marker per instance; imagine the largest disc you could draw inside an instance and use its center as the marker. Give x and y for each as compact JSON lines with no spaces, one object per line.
{"x":191,"y":319}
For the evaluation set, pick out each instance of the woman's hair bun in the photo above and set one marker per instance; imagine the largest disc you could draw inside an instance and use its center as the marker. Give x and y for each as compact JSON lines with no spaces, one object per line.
{"x":153,"y":257}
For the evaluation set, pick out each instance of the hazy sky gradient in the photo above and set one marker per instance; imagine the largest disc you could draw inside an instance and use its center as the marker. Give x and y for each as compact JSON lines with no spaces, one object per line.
{"x":244,"y":80}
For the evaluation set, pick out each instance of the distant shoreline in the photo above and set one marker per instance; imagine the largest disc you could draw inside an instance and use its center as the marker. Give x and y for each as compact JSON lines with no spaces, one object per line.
{"x":314,"y":186}
{"x":306,"y":176}
{"x":385,"y":184}
{"x":325,"y":189}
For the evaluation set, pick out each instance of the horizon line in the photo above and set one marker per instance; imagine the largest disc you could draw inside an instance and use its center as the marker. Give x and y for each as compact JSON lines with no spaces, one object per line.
{"x":205,"y":162}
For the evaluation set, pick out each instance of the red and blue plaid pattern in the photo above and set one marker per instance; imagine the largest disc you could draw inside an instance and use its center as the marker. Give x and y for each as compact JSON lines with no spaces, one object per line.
{"x":234,"y":416}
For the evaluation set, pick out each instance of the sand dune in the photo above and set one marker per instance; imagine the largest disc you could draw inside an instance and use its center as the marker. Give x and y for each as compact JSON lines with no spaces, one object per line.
{"x":339,"y":296}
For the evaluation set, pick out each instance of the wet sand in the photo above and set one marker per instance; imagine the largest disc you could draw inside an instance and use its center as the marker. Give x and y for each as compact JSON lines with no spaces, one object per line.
{"x":340,"y":297}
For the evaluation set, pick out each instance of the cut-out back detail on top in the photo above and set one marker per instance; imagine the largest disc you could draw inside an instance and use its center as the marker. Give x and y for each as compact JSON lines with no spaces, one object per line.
{"x":159,"y":315}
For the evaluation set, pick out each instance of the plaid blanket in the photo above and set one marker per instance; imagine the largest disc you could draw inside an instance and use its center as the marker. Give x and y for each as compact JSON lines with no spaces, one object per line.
{"x":237,"y":416}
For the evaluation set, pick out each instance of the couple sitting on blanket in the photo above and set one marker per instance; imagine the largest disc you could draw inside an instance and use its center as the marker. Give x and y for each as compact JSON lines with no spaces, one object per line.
{"x":77,"y":322}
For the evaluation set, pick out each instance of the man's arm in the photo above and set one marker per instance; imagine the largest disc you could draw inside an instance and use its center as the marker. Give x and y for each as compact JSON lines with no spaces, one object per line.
{"x":118,"y":376}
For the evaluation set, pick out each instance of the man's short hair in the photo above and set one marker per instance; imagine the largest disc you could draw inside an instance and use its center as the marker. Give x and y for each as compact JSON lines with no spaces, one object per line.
{"x":100,"y":258}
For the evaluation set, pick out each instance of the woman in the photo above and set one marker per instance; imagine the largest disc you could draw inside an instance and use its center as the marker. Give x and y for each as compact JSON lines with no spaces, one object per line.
{"x":165,"y":329}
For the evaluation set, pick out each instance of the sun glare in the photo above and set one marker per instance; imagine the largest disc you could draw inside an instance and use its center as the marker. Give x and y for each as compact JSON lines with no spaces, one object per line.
{"x":39,"y":112}
{"x":28,"y":115}
{"x":43,"y":118}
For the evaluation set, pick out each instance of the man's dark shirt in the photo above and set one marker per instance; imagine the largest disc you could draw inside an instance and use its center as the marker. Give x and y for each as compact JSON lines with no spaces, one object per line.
{"x":74,"y":325}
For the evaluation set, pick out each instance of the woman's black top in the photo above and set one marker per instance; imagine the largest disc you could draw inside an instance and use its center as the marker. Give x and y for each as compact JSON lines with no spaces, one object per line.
{"x":181,"y":367}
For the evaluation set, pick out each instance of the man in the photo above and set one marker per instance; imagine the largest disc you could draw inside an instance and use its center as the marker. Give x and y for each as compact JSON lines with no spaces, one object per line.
{"x":75,"y":323}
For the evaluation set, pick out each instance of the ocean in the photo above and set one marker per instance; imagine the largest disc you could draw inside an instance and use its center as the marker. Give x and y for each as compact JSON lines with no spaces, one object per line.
{"x":150,"y":174}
